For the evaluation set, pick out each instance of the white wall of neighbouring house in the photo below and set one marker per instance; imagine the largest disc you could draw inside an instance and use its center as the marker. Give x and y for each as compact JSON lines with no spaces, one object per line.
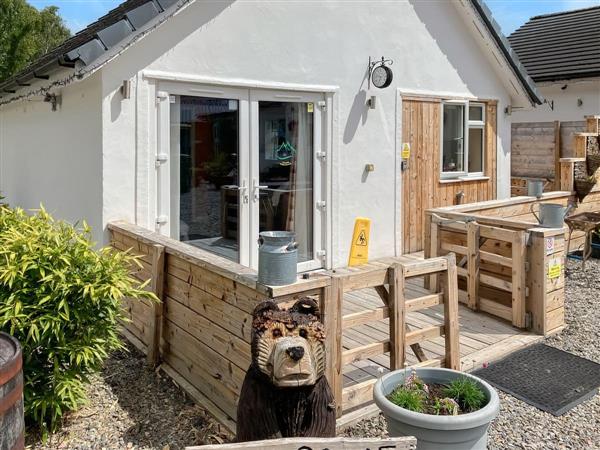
{"x":313,"y":43}
{"x":573,"y":100}
{"x":55,"y":158}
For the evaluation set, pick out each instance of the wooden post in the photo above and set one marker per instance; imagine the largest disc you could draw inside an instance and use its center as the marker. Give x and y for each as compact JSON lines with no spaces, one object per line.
{"x":432,"y":250}
{"x":451,"y":326}
{"x":567,"y":176}
{"x":557,"y":166}
{"x":397,"y":317}
{"x":519,"y":283}
{"x":593,"y":124}
{"x":537,"y":282}
{"x":332,"y":321}
{"x":473,"y":262}
{"x":157,"y":286}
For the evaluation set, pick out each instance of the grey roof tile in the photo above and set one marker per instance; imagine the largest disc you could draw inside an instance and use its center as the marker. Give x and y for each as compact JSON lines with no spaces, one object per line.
{"x":560,"y":46}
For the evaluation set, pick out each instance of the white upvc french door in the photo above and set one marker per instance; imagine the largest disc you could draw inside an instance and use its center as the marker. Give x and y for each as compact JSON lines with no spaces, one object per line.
{"x":232,"y":162}
{"x":286,"y":170}
{"x":203,"y":150}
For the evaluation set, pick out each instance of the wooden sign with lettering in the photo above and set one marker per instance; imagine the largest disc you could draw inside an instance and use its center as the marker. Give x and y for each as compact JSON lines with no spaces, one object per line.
{"x":397,"y":443}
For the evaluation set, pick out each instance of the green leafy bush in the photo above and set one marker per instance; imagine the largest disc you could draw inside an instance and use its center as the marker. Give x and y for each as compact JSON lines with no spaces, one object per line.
{"x":62,"y":299}
{"x":467,"y":393}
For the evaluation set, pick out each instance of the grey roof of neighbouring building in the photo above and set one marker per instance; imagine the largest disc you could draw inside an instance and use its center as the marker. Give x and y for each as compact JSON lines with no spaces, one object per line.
{"x":560,"y":46}
{"x":123,"y":25}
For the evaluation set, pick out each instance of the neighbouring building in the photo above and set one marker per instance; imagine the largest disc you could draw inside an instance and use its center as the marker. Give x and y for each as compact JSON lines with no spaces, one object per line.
{"x":561,"y":52}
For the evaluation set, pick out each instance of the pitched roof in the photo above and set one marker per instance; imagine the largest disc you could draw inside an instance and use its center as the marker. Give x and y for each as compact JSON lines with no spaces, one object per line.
{"x":119,"y":24}
{"x":123,"y":24}
{"x":560,"y":46}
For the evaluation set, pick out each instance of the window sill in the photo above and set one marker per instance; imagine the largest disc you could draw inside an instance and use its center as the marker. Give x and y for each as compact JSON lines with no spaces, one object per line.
{"x":463,"y":179}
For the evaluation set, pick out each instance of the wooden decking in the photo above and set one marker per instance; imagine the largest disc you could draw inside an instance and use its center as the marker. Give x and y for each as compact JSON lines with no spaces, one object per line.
{"x":483,"y":338}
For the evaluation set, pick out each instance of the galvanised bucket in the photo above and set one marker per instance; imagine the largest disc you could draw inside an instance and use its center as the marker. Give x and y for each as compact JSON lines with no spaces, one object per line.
{"x":277,"y":258}
{"x":535,"y":188}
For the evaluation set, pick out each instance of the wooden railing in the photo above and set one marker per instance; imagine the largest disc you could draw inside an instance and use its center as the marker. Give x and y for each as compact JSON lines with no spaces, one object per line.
{"x":390,"y":282}
{"x":200,"y":334}
{"x":503,"y":270}
{"x":504,"y":259}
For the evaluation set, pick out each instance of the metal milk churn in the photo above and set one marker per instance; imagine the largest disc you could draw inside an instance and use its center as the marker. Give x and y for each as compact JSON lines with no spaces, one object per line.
{"x":277,"y":258}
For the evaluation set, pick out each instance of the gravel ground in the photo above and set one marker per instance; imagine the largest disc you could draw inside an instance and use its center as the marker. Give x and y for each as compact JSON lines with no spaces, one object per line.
{"x":521,"y":426}
{"x":132,"y":407}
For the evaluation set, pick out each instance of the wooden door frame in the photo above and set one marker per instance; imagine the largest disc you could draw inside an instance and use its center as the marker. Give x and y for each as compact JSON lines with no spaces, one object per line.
{"x":489,"y":178}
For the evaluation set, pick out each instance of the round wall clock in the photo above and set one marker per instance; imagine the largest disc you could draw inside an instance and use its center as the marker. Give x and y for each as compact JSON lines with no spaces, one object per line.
{"x":382,"y":76}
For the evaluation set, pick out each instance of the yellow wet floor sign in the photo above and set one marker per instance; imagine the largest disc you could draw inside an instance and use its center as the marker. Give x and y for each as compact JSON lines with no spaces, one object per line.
{"x":359,"y":250}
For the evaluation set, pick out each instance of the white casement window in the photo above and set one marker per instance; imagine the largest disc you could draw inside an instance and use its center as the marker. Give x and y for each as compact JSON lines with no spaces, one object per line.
{"x":463,"y":139}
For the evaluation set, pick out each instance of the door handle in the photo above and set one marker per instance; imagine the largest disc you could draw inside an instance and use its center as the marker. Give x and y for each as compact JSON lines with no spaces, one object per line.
{"x":241,"y":189}
{"x":256,"y":189}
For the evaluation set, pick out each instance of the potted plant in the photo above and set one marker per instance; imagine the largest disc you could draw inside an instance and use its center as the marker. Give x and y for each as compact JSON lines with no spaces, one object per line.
{"x":444,"y":409}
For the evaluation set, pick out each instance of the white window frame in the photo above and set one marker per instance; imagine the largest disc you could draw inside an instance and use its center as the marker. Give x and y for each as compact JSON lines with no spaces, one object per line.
{"x":468,"y":123}
{"x":478,"y":124}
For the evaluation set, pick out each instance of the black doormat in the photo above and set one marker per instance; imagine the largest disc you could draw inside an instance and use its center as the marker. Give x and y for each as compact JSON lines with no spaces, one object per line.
{"x":545,"y":377}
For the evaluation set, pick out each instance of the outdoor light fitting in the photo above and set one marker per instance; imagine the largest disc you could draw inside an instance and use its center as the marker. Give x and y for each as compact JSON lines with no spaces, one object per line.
{"x":53,"y":99}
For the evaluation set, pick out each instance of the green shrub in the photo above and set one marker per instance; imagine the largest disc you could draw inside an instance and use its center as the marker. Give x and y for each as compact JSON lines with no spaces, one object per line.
{"x":467,"y":393}
{"x":61,"y":299}
{"x":411,"y":399}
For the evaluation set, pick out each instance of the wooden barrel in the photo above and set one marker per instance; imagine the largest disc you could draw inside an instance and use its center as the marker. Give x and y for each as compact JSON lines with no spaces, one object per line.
{"x":12,"y":426}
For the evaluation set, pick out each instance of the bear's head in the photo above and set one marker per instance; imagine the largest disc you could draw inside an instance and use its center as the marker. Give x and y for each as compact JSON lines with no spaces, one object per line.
{"x":288,"y":346}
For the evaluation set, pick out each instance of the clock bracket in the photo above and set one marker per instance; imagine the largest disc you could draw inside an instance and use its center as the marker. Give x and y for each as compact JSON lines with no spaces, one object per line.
{"x":373,"y":63}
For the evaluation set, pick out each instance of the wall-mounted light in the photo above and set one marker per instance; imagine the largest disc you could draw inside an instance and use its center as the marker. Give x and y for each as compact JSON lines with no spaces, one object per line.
{"x":126,"y":89}
{"x":580,"y":102}
{"x":53,"y":99}
{"x":369,"y":168}
{"x":372,"y":102}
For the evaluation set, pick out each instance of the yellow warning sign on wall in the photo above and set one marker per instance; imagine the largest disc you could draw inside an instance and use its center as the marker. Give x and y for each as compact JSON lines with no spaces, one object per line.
{"x":359,"y":250}
{"x":406,"y":150}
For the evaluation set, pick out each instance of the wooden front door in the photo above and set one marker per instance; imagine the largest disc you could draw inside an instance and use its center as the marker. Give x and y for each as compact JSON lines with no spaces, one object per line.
{"x":422,"y":185}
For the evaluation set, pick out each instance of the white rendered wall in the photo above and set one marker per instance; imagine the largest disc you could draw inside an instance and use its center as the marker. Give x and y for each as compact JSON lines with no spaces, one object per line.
{"x":566,"y":105}
{"x":54,"y":158}
{"x":318,"y":43}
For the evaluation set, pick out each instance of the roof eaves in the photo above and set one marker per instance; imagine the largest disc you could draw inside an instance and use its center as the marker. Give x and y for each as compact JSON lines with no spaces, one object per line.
{"x":510,"y":55}
{"x":101,"y":41}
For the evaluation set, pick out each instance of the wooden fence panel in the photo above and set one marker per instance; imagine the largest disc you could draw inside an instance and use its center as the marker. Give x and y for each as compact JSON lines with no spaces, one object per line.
{"x":536,"y":150}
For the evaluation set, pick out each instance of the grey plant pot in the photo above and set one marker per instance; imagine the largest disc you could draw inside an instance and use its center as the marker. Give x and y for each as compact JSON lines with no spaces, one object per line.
{"x":463,"y":432}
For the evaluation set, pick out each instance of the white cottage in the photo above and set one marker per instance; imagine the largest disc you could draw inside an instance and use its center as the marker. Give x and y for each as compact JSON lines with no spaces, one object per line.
{"x":211,"y":120}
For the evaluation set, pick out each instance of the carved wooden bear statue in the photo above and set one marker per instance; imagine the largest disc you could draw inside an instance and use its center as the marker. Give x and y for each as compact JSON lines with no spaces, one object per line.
{"x":285,"y":393}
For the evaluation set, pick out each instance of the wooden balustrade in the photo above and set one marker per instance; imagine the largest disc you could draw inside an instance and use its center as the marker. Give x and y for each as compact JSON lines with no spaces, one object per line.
{"x":389,"y":281}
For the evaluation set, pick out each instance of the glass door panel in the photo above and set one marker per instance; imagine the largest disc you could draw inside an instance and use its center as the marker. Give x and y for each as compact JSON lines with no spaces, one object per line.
{"x":285,"y":168}
{"x":205,"y":152}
